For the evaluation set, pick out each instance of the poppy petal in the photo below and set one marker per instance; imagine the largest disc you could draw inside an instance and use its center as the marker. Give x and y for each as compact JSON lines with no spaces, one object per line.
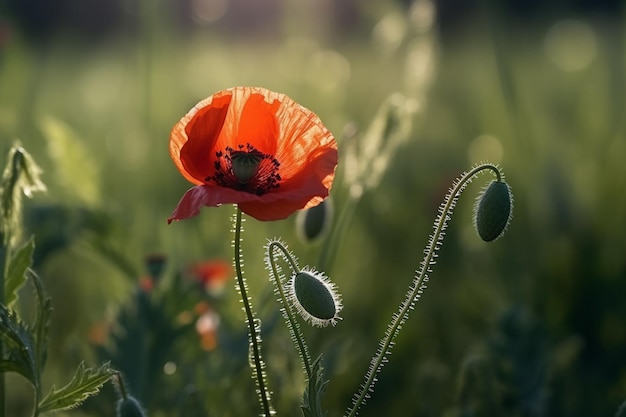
{"x":258,"y":123}
{"x":193,"y":138}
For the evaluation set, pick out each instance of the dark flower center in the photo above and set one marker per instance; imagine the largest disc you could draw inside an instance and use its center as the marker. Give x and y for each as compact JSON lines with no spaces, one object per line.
{"x":246,"y":169}
{"x":245,"y":164}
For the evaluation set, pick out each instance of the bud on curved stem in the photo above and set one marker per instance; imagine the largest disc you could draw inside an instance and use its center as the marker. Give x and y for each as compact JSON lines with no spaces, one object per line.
{"x":278,"y":279}
{"x":420,"y":280}
{"x":493,"y":210}
{"x":314,"y":297}
{"x":127,"y":405}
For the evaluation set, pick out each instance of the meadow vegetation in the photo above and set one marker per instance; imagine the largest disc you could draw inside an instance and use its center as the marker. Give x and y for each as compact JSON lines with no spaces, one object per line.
{"x":532,"y":324}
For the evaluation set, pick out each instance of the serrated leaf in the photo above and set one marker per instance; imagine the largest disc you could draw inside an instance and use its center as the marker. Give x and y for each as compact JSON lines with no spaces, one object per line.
{"x":18,"y":346}
{"x":312,"y":398}
{"x":85,"y":383}
{"x":16,"y":273}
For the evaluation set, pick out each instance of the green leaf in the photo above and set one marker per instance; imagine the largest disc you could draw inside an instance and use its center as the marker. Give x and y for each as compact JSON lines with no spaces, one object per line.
{"x":17,"y":271}
{"x":85,"y":383}
{"x":18,"y":343}
{"x":26,"y":345}
{"x":42,"y":322}
{"x":11,"y":366}
{"x":312,"y":399}
{"x":75,"y":168}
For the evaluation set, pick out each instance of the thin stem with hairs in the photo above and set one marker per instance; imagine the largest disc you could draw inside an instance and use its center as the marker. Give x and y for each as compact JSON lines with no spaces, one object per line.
{"x":418,"y":285}
{"x":254,"y":327}
{"x":292,"y":323}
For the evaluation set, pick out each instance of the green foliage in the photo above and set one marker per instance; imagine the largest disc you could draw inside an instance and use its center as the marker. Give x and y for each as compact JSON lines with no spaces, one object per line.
{"x":74,"y":165}
{"x":42,"y":322}
{"x":559,"y":134}
{"x":85,"y":383}
{"x":143,"y":338}
{"x":19,"y":265}
{"x":23,"y":346}
{"x":316,"y":385}
{"x":20,"y":177}
{"x":19,"y":344}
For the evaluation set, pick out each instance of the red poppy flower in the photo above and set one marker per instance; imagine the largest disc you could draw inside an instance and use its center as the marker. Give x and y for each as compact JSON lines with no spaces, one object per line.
{"x":255,"y":148}
{"x":211,"y":274}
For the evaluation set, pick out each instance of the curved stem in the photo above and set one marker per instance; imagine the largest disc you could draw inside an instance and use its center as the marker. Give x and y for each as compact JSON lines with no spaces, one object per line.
{"x":286,"y":255}
{"x":418,"y":284}
{"x":254,"y":332}
{"x":121,"y":385}
{"x":292,"y":324}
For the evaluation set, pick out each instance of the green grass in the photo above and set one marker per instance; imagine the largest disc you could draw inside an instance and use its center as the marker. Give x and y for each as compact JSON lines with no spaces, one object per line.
{"x":543,"y":306}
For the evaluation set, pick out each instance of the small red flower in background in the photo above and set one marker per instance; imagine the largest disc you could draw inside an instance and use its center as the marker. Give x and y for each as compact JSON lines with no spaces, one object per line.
{"x":255,"y":148}
{"x":99,"y":333}
{"x":207,"y":325}
{"x":146,"y":284}
{"x":212,"y":274}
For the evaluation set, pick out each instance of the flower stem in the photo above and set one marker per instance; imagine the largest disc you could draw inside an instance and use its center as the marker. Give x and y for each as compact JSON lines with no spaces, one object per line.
{"x":292,"y":324}
{"x":254,"y":329}
{"x":4,"y":261}
{"x":418,"y":285}
{"x":121,"y":386}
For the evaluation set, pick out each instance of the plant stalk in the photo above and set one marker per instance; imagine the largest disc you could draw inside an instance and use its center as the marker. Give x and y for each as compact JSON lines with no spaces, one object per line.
{"x":289,"y":316}
{"x":250,"y":319}
{"x":417,"y":285}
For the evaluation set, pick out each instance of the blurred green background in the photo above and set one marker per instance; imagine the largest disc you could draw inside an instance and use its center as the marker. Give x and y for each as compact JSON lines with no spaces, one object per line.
{"x":533,"y":324}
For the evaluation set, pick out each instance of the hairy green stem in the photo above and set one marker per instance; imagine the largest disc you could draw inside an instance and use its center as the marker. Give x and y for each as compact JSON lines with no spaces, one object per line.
{"x":252,"y":328}
{"x":418,"y":284}
{"x":289,"y":316}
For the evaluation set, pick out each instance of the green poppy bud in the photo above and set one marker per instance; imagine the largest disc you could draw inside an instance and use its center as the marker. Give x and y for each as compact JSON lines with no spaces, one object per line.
{"x":312,"y":223}
{"x":130,"y":407}
{"x":493,"y":210}
{"x":155,"y":264}
{"x":315,"y":298}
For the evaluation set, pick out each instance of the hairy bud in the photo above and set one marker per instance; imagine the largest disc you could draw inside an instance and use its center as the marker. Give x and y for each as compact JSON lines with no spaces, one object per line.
{"x":315,"y":298}
{"x":130,"y":407}
{"x":493,"y":210}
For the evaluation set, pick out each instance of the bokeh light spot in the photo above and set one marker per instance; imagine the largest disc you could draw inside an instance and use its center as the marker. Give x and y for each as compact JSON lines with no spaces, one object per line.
{"x":208,"y":11}
{"x":328,"y":70}
{"x":422,"y":15}
{"x":389,"y":32}
{"x":571,"y":45}
{"x":485,"y":148}
{"x":169,"y":368}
